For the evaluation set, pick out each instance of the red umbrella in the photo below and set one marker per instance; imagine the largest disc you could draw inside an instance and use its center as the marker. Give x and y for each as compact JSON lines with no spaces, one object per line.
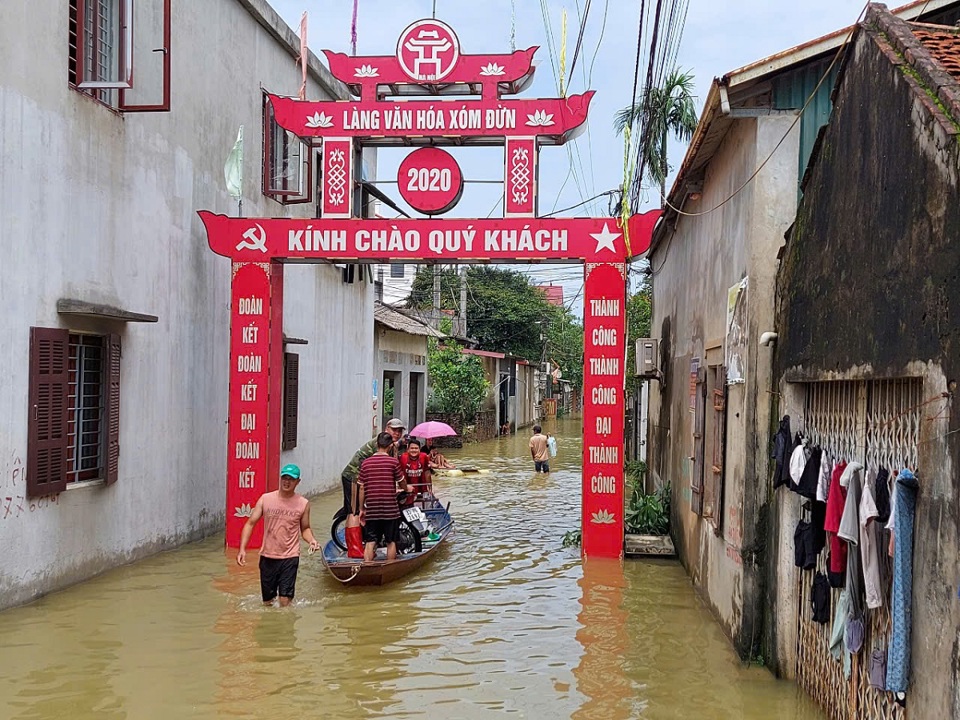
{"x":432,"y":429}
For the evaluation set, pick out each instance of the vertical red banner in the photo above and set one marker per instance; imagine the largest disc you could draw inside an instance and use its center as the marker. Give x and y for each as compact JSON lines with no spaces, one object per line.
{"x":604,"y":328}
{"x":275,"y":379}
{"x":247,"y":449}
{"x":337,"y":177}
{"x":520,"y":186}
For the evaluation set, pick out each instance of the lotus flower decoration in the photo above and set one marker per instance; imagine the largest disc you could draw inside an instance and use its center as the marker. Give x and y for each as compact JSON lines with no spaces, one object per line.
{"x":367,"y":71}
{"x":492,"y":69}
{"x":244,"y":511}
{"x":319,"y":120}
{"x":602,"y":518}
{"x":541,"y":118}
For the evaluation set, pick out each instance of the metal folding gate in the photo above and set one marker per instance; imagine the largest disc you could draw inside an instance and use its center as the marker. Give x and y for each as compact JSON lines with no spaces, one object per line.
{"x":876,"y":423}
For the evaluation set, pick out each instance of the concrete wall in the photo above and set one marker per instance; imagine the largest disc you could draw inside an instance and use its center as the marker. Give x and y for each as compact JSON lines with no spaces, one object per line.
{"x":101,"y":207}
{"x":868,"y":289}
{"x":526,"y":399}
{"x":695,"y":266}
{"x":405,"y":354}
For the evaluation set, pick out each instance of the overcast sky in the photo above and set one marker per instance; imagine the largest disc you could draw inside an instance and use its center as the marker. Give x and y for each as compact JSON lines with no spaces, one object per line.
{"x":720,"y":35}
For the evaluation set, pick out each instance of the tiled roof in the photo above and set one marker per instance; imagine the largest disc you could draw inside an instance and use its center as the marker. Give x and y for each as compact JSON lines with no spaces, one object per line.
{"x":398,"y":321}
{"x":943,"y":43}
{"x":554,"y":293}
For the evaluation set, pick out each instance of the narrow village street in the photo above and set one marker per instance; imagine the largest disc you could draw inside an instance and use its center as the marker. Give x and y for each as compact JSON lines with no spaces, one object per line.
{"x":506,"y":622}
{"x":557,"y":359}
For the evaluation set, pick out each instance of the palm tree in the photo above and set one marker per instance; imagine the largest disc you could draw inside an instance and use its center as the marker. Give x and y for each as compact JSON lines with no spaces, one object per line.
{"x":653,"y":117}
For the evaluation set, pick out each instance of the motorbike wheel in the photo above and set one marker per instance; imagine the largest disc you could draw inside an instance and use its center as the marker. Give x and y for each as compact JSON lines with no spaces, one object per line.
{"x":409,"y":538}
{"x":337,"y":532}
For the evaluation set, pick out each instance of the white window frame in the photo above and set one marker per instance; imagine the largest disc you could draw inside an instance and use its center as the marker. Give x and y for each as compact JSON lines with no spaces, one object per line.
{"x":121,"y":51}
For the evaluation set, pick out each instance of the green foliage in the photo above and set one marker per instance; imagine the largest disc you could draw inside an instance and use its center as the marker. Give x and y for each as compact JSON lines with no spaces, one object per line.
{"x":654,"y":116}
{"x":646,"y":514}
{"x":388,"y":395}
{"x":639,"y":315}
{"x":457,"y":383}
{"x":564,"y":343}
{"x":573,"y":538}
{"x":505,"y":313}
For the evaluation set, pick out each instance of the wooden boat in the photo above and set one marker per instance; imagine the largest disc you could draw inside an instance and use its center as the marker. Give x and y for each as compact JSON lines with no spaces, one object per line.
{"x":380,"y":571}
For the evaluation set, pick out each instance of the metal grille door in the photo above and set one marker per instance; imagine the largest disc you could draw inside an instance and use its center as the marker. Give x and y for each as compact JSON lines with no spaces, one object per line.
{"x":876,"y":423}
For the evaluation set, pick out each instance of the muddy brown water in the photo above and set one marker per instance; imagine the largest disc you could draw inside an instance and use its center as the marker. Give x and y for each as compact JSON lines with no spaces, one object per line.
{"x":503,"y":622}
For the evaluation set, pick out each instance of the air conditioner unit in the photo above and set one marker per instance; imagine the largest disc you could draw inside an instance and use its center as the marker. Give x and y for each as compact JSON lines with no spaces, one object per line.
{"x":647,"y":352}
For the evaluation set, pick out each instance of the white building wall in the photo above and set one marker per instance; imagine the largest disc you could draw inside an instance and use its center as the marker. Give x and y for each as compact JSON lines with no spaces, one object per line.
{"x":101,"y":207}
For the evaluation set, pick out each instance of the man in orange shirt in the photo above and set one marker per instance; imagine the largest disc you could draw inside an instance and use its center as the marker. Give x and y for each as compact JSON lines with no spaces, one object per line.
{"x":538,"y":450}
{"x":286,"y":517}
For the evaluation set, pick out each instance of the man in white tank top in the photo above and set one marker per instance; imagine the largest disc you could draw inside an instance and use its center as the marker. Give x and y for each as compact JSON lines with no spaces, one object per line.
{"x":286,"y":516}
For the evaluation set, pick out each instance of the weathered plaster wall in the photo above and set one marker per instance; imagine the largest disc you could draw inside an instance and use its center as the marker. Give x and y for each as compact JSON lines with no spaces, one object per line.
{"x":869,"y":288}
{"x":102,"y":207}
{"x":693,"y":270}
{"x":404,"y":353}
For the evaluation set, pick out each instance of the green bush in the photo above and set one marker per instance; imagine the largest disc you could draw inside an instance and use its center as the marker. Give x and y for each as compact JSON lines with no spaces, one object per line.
{"x":645,"y":514}
{"x":457,"y":382}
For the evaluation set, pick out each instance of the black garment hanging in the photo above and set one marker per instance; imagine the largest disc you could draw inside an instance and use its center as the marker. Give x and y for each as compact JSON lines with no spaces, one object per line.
{"x":881,"y":495}
{"x":803,"y":543}
{"x":811,"y":474}
{"x":781,"y":453}
{"x":820,"y":599}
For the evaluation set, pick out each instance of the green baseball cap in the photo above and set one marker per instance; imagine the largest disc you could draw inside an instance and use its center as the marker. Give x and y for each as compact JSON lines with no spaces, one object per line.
{"x":290,"y":470}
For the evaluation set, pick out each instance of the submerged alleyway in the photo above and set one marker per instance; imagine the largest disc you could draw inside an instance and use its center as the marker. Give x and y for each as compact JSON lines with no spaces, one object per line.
{"x":504,"y":621}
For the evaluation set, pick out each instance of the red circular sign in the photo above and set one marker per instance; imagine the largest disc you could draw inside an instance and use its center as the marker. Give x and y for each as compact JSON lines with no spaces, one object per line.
{"x":430,"y":180}
{"x":428,"y":51}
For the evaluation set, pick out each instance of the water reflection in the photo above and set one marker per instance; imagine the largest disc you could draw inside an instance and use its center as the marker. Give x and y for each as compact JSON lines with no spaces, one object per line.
{"x":503,"y":621}
{"x":600,"y":674}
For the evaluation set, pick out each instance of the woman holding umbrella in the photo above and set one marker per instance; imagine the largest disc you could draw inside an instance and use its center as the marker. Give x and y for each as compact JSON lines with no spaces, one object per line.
{"x":428,"y":431}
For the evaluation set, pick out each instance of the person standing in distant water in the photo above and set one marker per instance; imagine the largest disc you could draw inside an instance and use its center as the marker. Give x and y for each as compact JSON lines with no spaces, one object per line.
{"x":538,"y":450}
{"x":379,"y":511}
{"x":286,"y":516}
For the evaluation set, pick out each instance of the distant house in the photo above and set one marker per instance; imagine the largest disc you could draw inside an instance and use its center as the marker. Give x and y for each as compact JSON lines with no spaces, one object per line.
{"x":868,"y":356}
{"x":514,"y":395}
{"x":554,"y":293}
{"x":400,"y":366}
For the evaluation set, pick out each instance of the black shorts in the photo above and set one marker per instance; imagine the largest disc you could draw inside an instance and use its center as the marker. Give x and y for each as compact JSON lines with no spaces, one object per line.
{"x":278,"y":576}
{"x":386,"y":531}
{"x":541,"y":465}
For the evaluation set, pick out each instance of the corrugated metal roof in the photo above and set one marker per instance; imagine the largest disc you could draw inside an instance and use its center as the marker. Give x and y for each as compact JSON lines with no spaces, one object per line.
{"x":395,"y":320}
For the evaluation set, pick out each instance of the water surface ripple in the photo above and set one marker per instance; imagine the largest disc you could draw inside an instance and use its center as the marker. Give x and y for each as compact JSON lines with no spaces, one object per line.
{"x":503,"y":622}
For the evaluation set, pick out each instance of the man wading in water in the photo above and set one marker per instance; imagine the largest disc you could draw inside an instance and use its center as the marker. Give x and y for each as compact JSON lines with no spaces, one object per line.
{"x":286,"y":516}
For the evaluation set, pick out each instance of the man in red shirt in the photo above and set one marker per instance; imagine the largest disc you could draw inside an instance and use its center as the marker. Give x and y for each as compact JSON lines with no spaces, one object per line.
{"x":380,"y":514}
{"x":416,"y":468}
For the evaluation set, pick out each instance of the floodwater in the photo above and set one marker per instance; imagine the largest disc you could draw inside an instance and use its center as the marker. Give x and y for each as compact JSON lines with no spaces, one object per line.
{"x":503,"y":622}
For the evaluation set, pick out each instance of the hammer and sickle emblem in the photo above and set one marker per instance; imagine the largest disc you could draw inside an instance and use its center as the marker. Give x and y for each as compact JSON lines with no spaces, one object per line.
{"x":253,"y":240}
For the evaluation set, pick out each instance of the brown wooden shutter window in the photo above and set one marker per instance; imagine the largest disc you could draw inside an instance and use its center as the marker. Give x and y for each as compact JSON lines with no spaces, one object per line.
{"x":111,"y":439}
{"x":291,"y":399}
{"x":699,"y":421}
{"x":47,"y":423}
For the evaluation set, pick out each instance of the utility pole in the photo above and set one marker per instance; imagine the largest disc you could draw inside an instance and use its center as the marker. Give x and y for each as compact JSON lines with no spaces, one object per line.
{"x":435,"y":311}
{"x":463,"y":301}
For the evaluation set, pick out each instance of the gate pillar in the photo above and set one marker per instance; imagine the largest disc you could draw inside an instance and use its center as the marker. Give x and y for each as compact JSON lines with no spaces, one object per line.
{"x":255,"y":399}
{"x":604,"y":329}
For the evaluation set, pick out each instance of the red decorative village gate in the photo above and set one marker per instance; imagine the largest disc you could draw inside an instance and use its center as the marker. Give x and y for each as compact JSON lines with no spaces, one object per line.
{"x":428,"y":63}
